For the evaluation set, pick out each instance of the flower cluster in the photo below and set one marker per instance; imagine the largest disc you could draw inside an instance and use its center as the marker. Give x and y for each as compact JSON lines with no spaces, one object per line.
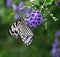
{"x":56,"y":45}
{"x":21,"y":10}
{"x":35,"y":18}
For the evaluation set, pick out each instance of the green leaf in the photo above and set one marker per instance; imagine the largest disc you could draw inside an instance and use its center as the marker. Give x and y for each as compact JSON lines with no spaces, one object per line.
{"x":45,"y":25}
{"x":53,"y":17}
{"x":35,"y":2}
{"x":48,"y":2}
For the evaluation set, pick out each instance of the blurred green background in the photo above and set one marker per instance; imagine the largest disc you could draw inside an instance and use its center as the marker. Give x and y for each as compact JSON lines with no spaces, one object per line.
{"x":43,"y":38}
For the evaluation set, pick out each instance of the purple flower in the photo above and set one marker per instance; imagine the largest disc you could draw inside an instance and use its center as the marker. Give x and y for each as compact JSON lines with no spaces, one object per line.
{"x":16,"y":16}
{"x":8,"y":3}
{"x":58,"y":3}
{"x":21,"y":9}
{"x":55,"y":44}
{"x":53,"y":51}
{"x":56,"y":48}
{"x":35,"y":18}
{"x":57,"y":34}
{"x":57,"y":52}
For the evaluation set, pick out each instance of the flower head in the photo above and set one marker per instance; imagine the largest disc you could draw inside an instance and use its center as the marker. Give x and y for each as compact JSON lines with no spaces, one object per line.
{"x":21,"y":9}
{"x":8,"y":3}
{"x":35,"y":18}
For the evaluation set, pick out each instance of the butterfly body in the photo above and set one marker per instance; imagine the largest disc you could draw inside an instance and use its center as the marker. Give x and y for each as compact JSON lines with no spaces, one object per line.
{"x":20,"y":30}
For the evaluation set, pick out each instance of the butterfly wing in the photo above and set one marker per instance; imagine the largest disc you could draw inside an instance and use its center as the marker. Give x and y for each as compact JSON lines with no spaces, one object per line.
{"x":13,"y":30}
{"x":26,"y":34}
{"x":20,"y":29}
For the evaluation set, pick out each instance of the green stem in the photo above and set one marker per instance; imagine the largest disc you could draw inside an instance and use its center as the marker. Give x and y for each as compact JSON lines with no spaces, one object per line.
{"x":42,"y":6}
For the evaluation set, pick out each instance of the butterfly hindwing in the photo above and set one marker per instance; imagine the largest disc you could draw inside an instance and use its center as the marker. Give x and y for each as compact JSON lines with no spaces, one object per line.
{"x":26,"y":34}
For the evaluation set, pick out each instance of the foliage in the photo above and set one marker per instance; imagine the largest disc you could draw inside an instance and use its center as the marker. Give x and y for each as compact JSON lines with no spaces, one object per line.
{"x":44,"y":35}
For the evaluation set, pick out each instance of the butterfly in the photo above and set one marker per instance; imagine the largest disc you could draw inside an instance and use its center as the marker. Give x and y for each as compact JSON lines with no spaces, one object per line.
{"x":19,"y":29}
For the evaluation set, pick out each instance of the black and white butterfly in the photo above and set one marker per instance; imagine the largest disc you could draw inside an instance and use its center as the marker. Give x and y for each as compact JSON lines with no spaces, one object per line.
{"x":19,"y":29}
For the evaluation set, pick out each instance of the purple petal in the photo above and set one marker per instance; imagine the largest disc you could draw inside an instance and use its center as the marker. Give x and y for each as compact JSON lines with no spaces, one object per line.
{"x":21,"y":8}
{"x":57,"y":33}
{"x":58,"y":49}
{"x":8,"y":3}
{"x":24,"y":10}
{"x":38,"y":12}
{"x":16,"y":16}
{"x":15,"y":9}
{"x":32,"y":25}
{"x":21,"y":5}
{"x":55,"y":43}
{"x":53,"y":51}
{"x":29,"y":10}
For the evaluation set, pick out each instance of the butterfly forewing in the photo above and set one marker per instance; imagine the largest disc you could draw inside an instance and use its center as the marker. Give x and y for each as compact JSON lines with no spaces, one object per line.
{"x":13,"y":30}
{"x":20,"y":29}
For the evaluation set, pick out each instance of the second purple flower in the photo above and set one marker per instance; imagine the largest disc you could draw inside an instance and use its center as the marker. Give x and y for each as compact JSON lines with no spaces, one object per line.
{"x":21,"y":10}
{"x":35,"y":18}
